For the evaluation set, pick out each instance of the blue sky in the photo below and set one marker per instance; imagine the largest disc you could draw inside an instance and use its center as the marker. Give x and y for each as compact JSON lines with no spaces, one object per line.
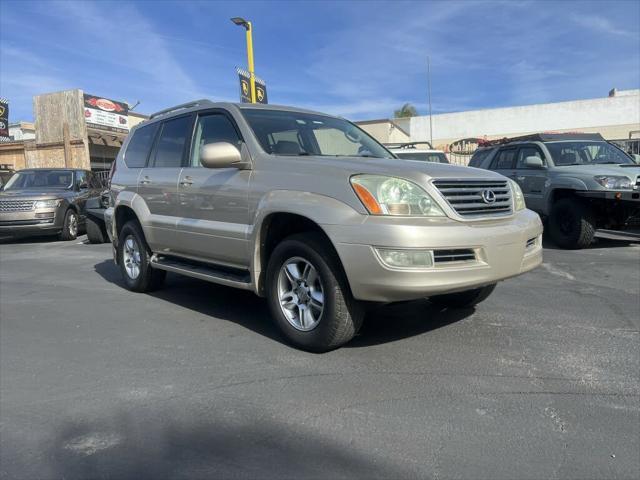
{"x":357,"y":59}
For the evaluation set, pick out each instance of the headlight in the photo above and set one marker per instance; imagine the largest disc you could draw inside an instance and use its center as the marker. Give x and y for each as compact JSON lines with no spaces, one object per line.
{"x":518,"y":197}
{"x":614,"y":182}
{"x":383,"y":195}
{"x":47,"y":203}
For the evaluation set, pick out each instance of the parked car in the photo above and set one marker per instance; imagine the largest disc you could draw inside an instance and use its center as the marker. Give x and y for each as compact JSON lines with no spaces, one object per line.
{"x":412,"y":151}
{"x":311,"y":212}
{"x":46,"y":201}
{"x":579,"y":182}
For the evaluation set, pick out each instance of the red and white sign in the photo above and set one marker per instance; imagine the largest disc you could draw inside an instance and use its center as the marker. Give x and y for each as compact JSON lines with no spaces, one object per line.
{"x":104,"y":114}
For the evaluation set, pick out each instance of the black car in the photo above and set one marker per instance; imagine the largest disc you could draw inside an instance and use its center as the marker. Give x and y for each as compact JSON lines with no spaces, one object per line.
{"x":46,"y":201}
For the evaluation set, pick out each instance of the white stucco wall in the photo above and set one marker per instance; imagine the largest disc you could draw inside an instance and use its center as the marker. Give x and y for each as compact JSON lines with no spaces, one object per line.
{"x":600,"y":113}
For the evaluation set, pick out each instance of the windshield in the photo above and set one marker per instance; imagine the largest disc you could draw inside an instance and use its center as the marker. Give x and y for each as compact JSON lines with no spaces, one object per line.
{"x":39,"y":179}
{"x":295,"y":134}
{"x":586,"y":153}
{"x":435,"y":157}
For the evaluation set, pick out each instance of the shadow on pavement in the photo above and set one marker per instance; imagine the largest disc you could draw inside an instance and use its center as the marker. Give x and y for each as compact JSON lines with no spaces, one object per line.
{"x":382,"y":324}
{"x":144,"y":443}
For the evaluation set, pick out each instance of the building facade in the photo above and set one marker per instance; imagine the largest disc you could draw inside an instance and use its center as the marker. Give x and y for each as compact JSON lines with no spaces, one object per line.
{"x":71,"y":129}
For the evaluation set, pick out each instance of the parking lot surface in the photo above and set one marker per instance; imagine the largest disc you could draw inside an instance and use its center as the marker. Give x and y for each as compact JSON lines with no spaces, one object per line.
{"x":193,"y":381}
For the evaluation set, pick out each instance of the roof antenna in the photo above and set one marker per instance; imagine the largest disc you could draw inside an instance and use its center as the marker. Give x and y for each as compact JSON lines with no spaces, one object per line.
{"x":136,"y":104}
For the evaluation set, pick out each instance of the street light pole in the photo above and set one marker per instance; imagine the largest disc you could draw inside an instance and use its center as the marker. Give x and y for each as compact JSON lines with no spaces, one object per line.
{"x":430,"y":112}
{"x":252,"y":76}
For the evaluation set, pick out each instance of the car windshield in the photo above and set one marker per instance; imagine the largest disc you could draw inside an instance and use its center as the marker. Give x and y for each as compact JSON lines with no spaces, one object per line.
{"x":586,"y":153}
{"x":282,"y":132}
{"x":39,"y":179}
{"x":435,"y":157}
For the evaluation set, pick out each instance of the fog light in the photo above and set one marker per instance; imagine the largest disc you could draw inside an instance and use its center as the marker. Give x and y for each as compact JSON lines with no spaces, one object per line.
{"x":406,"y":258}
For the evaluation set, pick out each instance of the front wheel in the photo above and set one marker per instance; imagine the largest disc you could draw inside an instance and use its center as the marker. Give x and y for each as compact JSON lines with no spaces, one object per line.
{"x":134,"y":259}
{"x":69,"y":226}
{"x":308,"y":295}
{"x":466,"y":299}
{"x":571,"y":224}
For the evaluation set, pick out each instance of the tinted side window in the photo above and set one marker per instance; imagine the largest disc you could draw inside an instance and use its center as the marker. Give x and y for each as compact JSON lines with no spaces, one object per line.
{"x":478,"y":157}
{"x":81,"y":177}
{"x":504,"y":159}
{"x":212,"y":129}
{"x":171,"y":142}
{"x":527,"y":152}
{"x":140,"y":145}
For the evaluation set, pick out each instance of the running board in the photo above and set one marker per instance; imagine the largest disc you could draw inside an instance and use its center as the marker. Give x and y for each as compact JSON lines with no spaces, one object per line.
{"x":211,"y":273}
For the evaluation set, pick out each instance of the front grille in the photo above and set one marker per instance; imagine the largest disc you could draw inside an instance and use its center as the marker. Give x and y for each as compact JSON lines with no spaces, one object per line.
{"x":472,"y":198}
{"x":16,"y":205}
{"x":455,"y":255}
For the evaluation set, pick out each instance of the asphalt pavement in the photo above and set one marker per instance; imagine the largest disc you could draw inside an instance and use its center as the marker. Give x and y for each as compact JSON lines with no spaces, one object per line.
{"x":539,"y":381}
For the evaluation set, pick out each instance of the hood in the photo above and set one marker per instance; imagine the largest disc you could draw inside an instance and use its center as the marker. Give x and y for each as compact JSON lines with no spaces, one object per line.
{"x":35,"y":194}
{"x":417,"y":171}
{"x":628,"y":170}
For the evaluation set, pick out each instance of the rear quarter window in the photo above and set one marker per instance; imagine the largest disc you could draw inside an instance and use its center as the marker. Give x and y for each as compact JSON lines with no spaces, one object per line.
{"x":140,"y":145}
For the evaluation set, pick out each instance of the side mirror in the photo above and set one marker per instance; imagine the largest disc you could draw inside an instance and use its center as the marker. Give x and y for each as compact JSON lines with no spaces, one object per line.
{"x":83,"y":186}
{"x":533,"y":162}
{"x":636,"y":158}
{"x":220,"y":155}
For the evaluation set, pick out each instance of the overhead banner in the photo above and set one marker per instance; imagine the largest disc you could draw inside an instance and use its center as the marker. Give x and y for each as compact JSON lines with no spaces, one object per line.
{"x":104,"y":114}
{"x":245,"y":87}
{"x":4,"y":120}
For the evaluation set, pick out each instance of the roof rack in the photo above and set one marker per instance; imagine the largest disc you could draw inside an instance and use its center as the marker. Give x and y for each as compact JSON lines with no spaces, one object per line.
{"x":408,"y":144}
{"x":183,"y":106}
{"x":543,"y":137}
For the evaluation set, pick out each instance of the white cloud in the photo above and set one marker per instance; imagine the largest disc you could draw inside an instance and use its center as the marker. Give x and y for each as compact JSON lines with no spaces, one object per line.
{"x":603,"y":25}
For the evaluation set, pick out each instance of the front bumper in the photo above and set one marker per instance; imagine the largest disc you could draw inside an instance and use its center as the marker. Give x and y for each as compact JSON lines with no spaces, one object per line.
{"x":500,"y":249}
{"x":632,"y":196}
{"x":45,"y":221}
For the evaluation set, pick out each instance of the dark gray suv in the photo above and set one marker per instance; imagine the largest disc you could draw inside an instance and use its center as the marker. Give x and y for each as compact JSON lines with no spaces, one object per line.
{"x":46,"y":201}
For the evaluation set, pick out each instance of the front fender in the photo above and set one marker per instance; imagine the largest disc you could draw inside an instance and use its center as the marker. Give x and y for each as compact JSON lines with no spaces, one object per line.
{"x":320,"y":209}
{"x":133,"y":201}
{"x":562,"y":183}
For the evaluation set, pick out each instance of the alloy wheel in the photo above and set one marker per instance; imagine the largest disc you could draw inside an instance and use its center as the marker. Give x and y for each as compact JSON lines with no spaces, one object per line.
{"x":131,"y":257}
{"x":300,"y":293}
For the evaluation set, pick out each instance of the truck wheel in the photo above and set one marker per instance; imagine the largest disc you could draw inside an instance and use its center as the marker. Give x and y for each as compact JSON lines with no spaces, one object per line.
{"x":571,"y":224}
{"x":308,"y":295}
{"x":133,"y":257}
{"x":69,"y":225}
{"x":96,"y":232}
{"x":466,"y":299}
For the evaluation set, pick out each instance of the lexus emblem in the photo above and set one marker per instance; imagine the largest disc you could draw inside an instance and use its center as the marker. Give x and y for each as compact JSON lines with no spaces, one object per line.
{"x":488,"y":196}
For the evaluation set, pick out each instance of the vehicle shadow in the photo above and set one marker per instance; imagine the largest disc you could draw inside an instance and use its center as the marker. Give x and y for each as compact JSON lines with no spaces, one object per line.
{"x":382,"y":324}
{"x":160,"y":443}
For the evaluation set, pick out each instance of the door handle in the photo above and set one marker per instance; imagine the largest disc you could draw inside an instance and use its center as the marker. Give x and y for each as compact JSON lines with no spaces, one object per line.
{"x":145,"y":181}
{"x":520,"y":179}
{"x":187,"y":181}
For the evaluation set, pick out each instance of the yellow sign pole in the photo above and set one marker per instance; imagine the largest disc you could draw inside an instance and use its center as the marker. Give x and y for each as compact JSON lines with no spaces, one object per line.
{"x":252,"y":80}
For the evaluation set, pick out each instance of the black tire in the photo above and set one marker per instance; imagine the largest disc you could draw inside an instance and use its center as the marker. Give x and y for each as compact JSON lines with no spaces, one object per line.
{"x":96,"y":231}
{"x":148,"y":278}
{"x":70,"y":225}
{"x":466,"y":299}
{"x":571,"y":224}
{"x":341,"y":316}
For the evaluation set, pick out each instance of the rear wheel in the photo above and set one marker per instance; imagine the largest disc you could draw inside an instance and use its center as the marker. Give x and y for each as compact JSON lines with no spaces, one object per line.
{"x":134,"y":259}
{"x":69,"y":226}
{"x":466,"y":299}
{"x":308,"y":295}
{"x":96,"y":232}
{"x":571,"y":224}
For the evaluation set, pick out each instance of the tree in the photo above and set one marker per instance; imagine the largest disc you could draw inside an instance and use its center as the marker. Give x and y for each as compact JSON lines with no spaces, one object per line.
{"x":407,"y":110}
